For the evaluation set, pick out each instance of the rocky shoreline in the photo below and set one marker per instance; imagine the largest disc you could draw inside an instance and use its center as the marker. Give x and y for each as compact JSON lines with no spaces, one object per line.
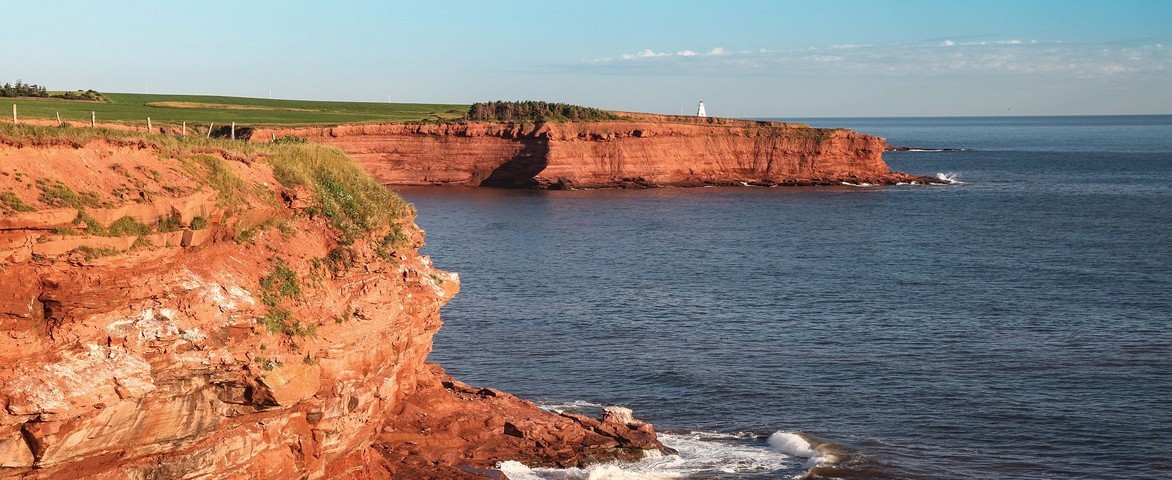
{"x":203,"y":309}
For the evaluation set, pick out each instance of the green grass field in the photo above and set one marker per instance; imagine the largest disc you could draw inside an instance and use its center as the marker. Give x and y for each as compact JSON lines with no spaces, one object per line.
{"x":204,"y":109}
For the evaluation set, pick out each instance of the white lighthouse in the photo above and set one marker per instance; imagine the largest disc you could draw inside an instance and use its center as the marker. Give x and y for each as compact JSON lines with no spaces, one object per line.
{"x":700,"y":111}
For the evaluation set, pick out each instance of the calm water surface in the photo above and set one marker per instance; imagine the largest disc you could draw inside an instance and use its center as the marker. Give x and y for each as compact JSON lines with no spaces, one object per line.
{"x":1013,"y":326}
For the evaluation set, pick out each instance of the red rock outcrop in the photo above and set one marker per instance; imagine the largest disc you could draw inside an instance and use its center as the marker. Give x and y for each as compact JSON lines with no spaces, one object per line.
{"x":645,"y":150}
{"x":232,"y":339}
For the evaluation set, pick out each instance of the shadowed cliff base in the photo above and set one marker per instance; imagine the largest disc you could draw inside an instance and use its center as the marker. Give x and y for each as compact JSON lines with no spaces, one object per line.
{"x":521,"y":171}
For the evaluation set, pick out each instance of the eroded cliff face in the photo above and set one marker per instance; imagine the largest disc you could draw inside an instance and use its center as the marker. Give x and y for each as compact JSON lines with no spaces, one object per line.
{"x":155,"y":323}
{"x":647,"y":150}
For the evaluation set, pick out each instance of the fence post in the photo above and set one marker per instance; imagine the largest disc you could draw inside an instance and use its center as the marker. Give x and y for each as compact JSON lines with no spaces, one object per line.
{"x":58,"y":119}
{"x":210,"y":125}
{"x":233,"y":131}
{"x":148,"y":124}
{"x":14,"y":120}
{"x":184,"y":129}
{"x":93,"y":119}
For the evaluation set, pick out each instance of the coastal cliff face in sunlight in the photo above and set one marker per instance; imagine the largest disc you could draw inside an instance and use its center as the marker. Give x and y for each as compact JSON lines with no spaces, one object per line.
{"x":647,"y":150}
{"x":174,"y":310}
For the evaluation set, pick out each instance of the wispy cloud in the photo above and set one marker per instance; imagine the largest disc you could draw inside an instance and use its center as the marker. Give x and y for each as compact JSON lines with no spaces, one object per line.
{"x":948,"y":57}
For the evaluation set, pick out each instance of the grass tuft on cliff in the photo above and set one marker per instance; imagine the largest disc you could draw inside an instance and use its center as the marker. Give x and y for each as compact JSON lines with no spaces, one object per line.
{"x":354,"y":203}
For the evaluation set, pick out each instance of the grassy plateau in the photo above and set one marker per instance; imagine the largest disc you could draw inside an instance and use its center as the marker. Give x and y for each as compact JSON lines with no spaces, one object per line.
{"x":134,"y":108}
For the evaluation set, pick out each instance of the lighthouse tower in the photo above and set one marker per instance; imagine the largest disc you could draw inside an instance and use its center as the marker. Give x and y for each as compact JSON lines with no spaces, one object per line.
{"x":700,"y":111}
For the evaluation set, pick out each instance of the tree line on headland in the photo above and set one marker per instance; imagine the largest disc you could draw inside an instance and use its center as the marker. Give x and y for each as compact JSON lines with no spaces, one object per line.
{"x":21,"y":89}
{"x":536,"y":111}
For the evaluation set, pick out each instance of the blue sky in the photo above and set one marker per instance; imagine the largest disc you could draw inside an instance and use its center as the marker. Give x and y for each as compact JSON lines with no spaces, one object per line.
{"x":743,"y":58}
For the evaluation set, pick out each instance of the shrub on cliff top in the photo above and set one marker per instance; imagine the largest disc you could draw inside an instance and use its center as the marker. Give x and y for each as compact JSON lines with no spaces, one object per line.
{"x":536,"y":112}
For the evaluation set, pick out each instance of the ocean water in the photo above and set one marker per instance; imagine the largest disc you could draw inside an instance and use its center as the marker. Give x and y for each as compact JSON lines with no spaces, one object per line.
{"x":1015,"y":325}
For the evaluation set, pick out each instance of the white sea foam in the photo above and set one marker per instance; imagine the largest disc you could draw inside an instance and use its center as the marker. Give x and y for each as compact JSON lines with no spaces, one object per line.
{"x":574,"y":406}
{"x":608,"y":471}
{"x":699,"y":454}
{"x":949,"y":178}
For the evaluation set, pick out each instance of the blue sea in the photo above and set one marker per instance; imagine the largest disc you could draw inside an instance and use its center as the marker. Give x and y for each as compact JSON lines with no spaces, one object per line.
{"x":1016,"y":323}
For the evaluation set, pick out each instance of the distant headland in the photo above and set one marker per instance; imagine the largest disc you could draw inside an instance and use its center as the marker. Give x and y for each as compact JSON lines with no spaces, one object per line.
{"x":507,"y":144}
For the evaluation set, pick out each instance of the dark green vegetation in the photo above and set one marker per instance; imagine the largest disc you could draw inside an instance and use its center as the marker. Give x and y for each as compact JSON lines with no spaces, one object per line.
{"x":90,"y":253}
{"x":280,"y":285}
{"x":9,"y":203}
{"x":535,"y":111}
{"x":203,"y":110}
{"x":21,"y":89}
{"x":84,"y":95}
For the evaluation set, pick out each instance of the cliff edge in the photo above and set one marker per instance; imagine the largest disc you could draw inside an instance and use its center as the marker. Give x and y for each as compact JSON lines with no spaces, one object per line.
{"x":641,"y":150}
{"x":194,"y":308}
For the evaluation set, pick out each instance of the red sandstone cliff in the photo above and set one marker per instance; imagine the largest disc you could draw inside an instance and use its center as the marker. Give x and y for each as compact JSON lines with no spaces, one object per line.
{"x":176,"y":311}
{"x":646,"y":150}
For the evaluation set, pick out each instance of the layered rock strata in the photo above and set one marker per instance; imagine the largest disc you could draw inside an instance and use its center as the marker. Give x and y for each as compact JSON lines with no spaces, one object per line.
{"x":232,"y":338}
{"x":645,"y":150}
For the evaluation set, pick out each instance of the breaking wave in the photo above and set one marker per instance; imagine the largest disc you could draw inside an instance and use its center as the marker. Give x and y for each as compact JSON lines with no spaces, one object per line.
{"x":795,"y":444}
{"x":948,"y":178}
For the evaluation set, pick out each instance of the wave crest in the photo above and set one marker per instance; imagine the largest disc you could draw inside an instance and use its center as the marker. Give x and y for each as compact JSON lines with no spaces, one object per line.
{"x":817,"y":454}
{"x":949,"y":178}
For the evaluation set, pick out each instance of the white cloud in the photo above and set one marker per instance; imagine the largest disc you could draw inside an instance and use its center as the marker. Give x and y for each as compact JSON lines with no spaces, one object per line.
{"x":988,"y":57}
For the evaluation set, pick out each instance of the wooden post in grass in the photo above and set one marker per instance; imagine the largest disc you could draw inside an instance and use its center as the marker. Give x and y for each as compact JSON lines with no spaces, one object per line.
{"x":210,"y":125}
{"x":14,"y":120}
{"x":93,"y":119}
{"x":184,"y":129}
{"x":233,"y":137}
{"x":58,"y":119}
{"x":148,"y":124}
